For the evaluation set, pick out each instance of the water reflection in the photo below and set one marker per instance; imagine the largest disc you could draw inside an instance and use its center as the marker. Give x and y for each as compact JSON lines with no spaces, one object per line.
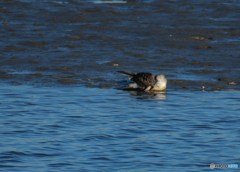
{"x":145,"y":95}
{"x":109,"y":1}
{"x":149,"y":95}
{"x":160,"y":96}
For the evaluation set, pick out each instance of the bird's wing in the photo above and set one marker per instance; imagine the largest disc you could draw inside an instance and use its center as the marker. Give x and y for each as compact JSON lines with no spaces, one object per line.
{"x":144,"y":79}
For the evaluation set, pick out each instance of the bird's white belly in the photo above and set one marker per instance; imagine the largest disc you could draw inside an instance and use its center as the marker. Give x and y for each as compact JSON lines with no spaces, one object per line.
{"x":159,"y":87}
{"x":132,"y":85}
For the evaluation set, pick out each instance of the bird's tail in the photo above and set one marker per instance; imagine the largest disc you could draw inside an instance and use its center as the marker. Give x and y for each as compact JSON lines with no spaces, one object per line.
{"x":127,"y":73}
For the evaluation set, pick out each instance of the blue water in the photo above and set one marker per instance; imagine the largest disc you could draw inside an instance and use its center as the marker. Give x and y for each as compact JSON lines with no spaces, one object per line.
{"x":92,"y":129}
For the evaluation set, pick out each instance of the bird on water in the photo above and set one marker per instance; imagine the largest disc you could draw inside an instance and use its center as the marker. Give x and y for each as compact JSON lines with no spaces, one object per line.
{"x":148,"y":81}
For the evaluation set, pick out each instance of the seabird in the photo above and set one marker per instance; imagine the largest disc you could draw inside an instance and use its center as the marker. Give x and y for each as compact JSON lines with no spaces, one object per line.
{"x":148,"y":81}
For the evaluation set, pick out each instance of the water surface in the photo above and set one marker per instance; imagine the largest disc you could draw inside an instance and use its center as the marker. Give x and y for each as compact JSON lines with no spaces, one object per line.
{"x":92,"y":129}
{"x":56,"y":55}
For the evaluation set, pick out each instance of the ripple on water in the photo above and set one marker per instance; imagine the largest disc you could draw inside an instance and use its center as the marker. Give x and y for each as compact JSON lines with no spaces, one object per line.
{"x":91,"y":129}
